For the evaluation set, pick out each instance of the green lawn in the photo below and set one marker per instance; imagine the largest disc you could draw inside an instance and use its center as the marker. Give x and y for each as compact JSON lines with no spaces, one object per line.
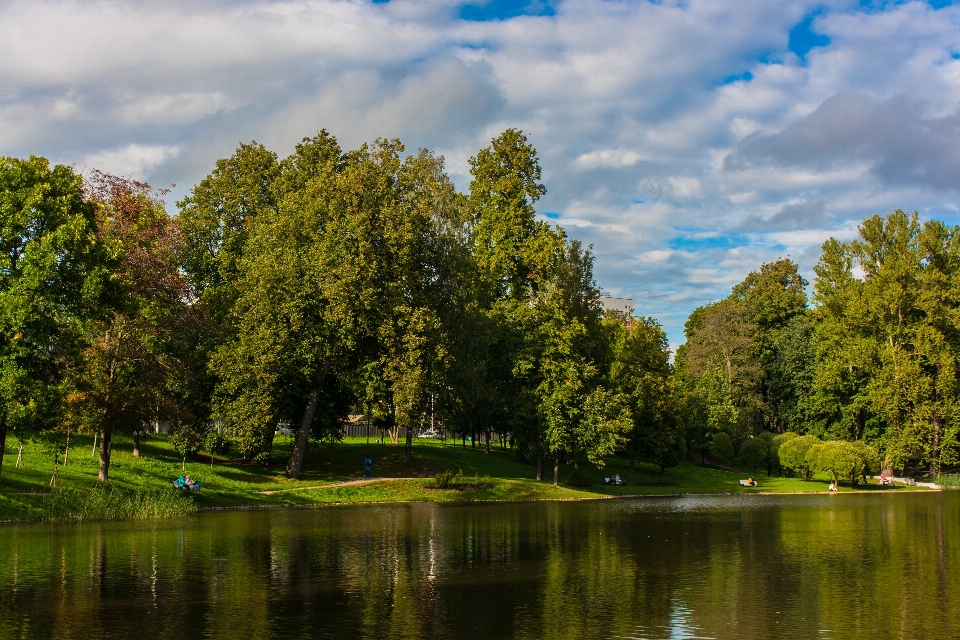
{"x":500,"y":476}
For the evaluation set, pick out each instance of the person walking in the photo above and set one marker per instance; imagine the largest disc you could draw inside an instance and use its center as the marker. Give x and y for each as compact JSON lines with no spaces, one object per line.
{"x":367,"y":466}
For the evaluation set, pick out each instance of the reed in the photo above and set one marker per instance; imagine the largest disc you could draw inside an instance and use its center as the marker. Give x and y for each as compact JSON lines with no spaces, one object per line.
{"x":115,"y":503}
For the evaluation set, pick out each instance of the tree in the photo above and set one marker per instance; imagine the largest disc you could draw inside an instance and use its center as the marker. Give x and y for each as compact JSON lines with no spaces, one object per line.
{"x":722,"y":447}
{"x":718,"y":365}
{"x":754,"y":452}
{"x":54,"y":274}
{"x":887,"y":344}
{"x":793,"y":454}
{"x":187,"y":442}
{"x":640,"y":371}
{"x":125,"y":378}
{"x":843,"y":459}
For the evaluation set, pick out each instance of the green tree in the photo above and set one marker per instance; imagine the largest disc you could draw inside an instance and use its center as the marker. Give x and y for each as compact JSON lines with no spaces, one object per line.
{"x":754,"y":452}
{"x":722,"y":447}
{"x":793,"y":454}
{"x":125,"y":379}
{"x":54,"y":275}
{"x":887,"y":346}
{"x":640,"y":371}
{"x":841,"y":459}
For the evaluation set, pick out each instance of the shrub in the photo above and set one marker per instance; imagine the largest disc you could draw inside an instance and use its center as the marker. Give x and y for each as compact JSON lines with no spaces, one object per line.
{"x":721,"y":448}
{"x":753,"y":452}
{"x":841,"y":459}
{"x":217,"y":444}
{"x":793,"y":454}
{"x":447,"y":479}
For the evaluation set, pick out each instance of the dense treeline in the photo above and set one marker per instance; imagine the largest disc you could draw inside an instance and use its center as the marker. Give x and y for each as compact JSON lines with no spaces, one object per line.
{"x":873,"y":361}
{"x":305,"y":289}
{"x":340,"y":282}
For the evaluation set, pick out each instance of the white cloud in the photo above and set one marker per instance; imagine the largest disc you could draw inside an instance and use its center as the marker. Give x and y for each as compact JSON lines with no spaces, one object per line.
{"x":681,"y":138}
{"x":133,"y":160}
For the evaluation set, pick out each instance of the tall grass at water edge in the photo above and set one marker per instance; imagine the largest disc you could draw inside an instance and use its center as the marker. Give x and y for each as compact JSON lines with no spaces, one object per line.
{"x":949,"y":480}
{"x":115,"y":503}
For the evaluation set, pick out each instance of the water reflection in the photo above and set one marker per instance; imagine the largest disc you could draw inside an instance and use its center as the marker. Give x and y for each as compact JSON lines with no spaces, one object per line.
{"x":723,"y":567}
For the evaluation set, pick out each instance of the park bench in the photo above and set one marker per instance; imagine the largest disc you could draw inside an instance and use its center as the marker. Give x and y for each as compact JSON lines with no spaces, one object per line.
{"x":747,"y":483}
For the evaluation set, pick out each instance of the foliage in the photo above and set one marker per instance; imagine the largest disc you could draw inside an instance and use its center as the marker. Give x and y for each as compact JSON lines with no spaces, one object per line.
{"x":186,"y":441}
{"x":54,"y":275}
{"x":127,"y":373}
{"x":793,"y":454}
{"x":842,"y":459}
{"x":216,"y":443}
{"x":754,"y":452}
{"x":721,"y":448}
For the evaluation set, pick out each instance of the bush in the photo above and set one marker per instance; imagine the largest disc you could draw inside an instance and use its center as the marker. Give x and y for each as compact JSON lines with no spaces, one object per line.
{"x":217,"y":444}
{"x":447,"y":479}
{"x":721,"y":448}
{"x":793,"y":454}
{"x":841,"y":459}
{"x":753,"y":452}
{"x":773,"y":457}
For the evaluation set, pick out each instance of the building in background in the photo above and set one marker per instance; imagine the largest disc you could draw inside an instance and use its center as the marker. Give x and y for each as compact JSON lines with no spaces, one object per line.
{"x":621,"y":305}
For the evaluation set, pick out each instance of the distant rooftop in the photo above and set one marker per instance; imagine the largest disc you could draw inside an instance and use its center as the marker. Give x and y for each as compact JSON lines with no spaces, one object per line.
{"x":623,"y":305}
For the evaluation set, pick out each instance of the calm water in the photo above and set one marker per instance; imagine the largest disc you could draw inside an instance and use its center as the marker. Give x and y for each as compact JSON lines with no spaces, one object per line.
{"x":854,"y":566}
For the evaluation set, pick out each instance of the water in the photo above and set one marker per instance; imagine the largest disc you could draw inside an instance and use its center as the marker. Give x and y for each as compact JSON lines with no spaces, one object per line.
{"x":848,"y":566}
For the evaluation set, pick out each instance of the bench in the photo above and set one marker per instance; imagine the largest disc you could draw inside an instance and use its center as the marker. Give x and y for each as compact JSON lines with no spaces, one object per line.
{"x":747,"y":483}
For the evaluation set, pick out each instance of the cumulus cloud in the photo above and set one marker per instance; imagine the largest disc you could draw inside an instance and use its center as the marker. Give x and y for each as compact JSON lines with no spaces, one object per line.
{"x":687,"y":140}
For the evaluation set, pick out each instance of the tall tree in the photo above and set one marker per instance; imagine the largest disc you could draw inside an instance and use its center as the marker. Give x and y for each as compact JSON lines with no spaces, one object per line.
{"x":641,"y":372}
{"x":888,"y":342}
{"x":126,"y":377}
{"x":53,"y":276}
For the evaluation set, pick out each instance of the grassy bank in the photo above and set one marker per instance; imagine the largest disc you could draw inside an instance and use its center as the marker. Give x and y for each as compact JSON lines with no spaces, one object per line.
{"x":141,"y":487}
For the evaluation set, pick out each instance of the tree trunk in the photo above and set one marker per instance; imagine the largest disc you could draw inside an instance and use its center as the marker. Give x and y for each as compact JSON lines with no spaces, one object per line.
{"x":539,"y":459}
{"x":303,"y":434}
{"x":408,"y":447}
{"x":556,"y":468}
{"x":66,"y":449}
{"x":106,"y":446}
{"x":136,"y":444}
{"x":486,"y":436}
{"x":93,"y":451}
{"x":3,"y":443}
{"x":633,"y":459}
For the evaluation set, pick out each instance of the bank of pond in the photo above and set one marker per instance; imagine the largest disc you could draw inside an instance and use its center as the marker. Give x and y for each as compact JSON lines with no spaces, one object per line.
{"x":141,"y":487}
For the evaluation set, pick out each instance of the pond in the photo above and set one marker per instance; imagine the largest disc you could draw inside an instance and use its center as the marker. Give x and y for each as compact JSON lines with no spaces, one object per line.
{"x":802,"y":566}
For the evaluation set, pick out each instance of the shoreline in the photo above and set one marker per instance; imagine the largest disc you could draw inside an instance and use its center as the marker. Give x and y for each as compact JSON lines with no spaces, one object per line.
{"x":471,"y":501}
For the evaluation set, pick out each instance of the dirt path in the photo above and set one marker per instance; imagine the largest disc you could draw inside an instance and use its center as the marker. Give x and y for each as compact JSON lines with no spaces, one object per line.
{"x":352,"y":482}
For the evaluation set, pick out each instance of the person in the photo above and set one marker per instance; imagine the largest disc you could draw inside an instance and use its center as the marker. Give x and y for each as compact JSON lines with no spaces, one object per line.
{"x":833,"y":486}
{"x":188,"y":482}
{"x":367,"y":466}
{"x":751,"y":482}
{"x":883,"y":479}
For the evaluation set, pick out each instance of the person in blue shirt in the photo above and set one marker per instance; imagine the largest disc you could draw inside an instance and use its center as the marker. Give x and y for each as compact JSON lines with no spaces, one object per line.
{"x":367,"y":466}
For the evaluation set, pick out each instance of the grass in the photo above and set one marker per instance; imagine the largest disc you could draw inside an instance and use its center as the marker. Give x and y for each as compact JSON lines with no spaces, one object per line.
{"x":141,"y":487}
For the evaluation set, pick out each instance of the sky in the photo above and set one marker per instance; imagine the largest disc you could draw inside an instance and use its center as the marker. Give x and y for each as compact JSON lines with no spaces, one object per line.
{"x":689,"y":141}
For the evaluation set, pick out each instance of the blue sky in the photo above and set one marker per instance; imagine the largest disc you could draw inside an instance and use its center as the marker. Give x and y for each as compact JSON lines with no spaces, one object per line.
{"x":688,"y":140}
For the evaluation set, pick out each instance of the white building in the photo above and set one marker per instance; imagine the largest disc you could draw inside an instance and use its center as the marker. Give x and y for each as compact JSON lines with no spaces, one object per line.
{"x":622,"y":305}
